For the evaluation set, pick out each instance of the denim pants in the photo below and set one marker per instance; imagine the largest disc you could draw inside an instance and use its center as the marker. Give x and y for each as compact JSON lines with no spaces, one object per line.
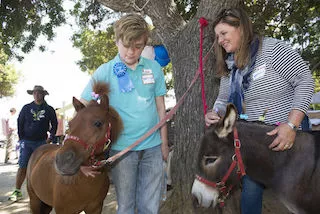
{"x":137,"y":179}
{"x":251,"y":196}
{"x":27,"y":147}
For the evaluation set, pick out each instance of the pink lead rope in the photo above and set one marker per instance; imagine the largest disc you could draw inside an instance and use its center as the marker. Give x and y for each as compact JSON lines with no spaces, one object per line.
{"x":203,"y":23}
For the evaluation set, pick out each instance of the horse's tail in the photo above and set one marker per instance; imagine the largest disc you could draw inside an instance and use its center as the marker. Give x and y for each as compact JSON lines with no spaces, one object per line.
{"x":101,"y":88}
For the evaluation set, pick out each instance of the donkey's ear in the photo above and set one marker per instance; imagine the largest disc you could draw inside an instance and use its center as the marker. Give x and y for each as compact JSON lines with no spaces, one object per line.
{"x":104,"y":101}
{"x":77,"y":104}
{"x":228,"y":122}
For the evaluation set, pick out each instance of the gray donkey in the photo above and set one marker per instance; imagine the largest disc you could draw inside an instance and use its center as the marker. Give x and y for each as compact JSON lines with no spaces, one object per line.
{"x":293,"y":175}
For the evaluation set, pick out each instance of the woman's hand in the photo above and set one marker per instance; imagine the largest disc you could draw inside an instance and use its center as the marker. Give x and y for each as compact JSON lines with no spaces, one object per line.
{"x":211,"y":117}
{"x":284,"y":140}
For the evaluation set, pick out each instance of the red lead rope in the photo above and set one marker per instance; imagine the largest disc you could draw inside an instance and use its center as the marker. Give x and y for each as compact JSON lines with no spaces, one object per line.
{"x":203,"y":22}
{"x":237,"y":146}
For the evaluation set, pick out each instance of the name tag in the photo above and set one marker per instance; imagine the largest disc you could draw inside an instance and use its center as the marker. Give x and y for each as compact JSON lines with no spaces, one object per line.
{"x":259,"y":73}
{"x":147,"y":76}
{"x":147,"y":79}
{"x":146,"y":71}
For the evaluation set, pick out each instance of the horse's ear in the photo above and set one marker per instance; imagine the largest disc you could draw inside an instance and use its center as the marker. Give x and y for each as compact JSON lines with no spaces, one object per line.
{"x":228,"y":122}
{"x":77,"y":104}
{"x":104,"y":101}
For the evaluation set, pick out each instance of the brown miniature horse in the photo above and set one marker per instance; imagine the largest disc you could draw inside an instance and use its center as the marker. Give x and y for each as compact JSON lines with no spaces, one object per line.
{"x":294,"y":175}
{"x":53,"y":176}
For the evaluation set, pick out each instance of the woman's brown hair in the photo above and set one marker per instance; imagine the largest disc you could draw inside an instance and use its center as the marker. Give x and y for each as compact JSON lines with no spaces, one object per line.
{"x":238,"y":18}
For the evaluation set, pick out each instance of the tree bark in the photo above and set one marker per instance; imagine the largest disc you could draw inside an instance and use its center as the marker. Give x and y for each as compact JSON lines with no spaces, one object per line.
{"x":182,"y":42}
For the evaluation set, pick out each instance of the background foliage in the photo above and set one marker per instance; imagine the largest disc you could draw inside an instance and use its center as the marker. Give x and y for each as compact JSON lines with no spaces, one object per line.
{"x":8,"y":76}
{"x":24,"y":21}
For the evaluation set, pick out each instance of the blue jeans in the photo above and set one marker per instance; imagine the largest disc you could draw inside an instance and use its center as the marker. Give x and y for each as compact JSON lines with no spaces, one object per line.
{"x":137,"y":179}
{"x":27,"y":147}
{"x":251,"y":196}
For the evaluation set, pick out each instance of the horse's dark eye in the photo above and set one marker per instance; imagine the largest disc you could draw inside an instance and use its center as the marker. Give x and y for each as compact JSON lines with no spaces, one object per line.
{"x":98,"y":124}
{"x":209,"y":159}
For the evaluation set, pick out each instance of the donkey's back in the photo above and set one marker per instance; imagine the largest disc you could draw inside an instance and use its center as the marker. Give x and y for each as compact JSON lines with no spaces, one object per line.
{"x":293,"y":174}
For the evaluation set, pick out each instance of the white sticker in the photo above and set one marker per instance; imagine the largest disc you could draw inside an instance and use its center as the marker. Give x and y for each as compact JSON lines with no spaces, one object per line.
{"x":147,"y":79}
{"x":259,"y":72}
{"x":147,"y":71}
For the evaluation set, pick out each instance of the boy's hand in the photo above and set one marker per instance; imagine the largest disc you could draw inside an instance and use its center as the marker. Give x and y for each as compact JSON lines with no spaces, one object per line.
{"x":90,"y":171}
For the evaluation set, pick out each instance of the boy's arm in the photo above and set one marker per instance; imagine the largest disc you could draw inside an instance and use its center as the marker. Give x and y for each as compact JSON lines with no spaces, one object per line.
{"x":163,"y":130}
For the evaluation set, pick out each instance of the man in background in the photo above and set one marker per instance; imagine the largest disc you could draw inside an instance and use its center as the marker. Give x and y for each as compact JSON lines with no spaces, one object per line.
{"x":12,"y":136}
{"x":34,"y":121}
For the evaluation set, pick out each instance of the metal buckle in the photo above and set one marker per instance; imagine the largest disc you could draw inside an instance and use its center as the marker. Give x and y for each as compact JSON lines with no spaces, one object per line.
{"x":237,"y":143}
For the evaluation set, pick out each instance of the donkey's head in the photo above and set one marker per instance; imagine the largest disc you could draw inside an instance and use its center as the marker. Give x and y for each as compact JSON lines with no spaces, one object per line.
{"x":215,"y":156}
{"x":91,"y":131}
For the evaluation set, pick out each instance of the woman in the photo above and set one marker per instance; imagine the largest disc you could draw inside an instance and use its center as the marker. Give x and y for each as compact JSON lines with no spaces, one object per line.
{"x":264,"y":78}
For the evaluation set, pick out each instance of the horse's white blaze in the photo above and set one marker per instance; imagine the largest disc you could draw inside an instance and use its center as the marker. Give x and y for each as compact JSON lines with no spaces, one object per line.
{"x":205,"y":194}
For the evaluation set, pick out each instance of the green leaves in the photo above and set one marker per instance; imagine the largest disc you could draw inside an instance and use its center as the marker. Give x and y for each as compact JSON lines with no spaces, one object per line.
{"x":8,"y":76}
{"x":24,"y":21}
{"x":97,"y":48}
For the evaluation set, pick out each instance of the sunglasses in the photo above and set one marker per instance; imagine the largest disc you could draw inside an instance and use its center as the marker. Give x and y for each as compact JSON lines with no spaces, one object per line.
{"x":232,"y":13}
{"x":228,"y":12}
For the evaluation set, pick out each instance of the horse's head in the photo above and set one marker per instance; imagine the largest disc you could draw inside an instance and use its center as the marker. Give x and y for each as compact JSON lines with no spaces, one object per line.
{"x":215,"y":157}
{"x":91,"y":131}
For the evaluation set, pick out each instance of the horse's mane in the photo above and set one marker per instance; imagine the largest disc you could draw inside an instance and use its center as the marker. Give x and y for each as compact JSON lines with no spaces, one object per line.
{"x":101,"y":88}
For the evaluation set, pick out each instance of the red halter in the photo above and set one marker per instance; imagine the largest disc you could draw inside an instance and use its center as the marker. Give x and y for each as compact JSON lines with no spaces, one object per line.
{"x":104,"y":142}
{"x":236,"y":161}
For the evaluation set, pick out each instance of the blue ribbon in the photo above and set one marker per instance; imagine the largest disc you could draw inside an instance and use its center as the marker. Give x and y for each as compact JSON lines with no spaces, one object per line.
{"x":124,"y":81}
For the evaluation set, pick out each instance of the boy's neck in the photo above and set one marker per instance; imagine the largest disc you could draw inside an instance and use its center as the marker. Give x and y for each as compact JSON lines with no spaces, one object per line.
{"x":132,"y":66}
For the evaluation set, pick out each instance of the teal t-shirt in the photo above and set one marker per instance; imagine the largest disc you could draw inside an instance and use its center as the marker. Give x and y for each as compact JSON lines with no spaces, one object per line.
{"x":137,"y":108}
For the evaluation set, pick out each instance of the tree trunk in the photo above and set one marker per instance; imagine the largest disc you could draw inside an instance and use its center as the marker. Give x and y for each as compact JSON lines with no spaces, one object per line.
{"x":182,"y":42}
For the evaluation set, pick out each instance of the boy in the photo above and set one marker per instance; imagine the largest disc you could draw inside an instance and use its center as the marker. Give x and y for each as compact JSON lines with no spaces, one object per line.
{"x":137,"y":89}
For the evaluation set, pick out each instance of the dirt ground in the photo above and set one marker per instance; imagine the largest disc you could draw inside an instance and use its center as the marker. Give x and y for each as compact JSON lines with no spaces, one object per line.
{"x":7,"y":183}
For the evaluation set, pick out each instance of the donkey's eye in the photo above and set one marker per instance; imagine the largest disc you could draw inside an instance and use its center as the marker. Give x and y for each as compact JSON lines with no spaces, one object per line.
{"x":209,"y":159}
{"x":98,"y":124}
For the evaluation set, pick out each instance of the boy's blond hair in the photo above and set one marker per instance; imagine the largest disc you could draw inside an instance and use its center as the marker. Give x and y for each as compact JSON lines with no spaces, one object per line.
{"x":129,"y":28}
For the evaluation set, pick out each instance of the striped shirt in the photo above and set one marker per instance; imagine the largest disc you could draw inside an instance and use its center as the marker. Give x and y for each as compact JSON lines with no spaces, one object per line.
{"x":280,"y":82}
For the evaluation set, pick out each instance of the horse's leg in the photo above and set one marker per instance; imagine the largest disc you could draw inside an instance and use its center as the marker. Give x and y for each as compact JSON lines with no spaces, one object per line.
{"x":45,"y":208}
{"x":67,"y":210}
{"x":36,"y":205}
{"x":35,"y":202}
{"x":94,"y":208}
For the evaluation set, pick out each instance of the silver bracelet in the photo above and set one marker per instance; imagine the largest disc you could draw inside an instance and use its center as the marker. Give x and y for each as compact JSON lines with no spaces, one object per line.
{"x":292,"y":126}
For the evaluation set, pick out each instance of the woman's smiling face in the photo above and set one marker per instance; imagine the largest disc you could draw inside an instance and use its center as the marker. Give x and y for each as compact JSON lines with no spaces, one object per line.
{"x":229,"y":37}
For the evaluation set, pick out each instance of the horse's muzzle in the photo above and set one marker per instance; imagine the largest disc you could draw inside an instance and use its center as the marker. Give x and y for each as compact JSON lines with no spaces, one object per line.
{"x":67,"y":163}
